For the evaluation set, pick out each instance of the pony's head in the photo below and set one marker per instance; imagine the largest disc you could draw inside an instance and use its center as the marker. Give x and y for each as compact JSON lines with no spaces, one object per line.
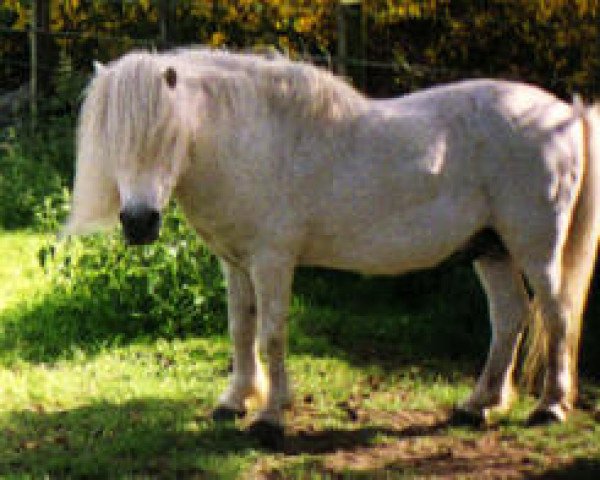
{"x":132,"y":145}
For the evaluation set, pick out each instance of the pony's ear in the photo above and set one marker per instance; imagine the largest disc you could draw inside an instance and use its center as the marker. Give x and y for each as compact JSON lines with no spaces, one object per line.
{"x":98,"y":67}
{"x":170,"y":76}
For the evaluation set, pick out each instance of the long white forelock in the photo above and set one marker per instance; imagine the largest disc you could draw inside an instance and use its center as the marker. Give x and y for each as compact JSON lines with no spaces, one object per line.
{"x":138,"y":107}
{"x":131,"y":109}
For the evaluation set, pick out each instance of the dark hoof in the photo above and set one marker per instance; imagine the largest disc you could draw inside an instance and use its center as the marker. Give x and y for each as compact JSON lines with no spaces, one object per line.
{"x":466,"y":418}
{"x":226,"y":414}
{"x":542,"y":417}
{"x":269,"y":435}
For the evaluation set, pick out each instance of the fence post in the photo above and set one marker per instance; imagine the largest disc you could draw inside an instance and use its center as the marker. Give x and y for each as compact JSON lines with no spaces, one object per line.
{"x":39,"y":49}
{"x":33,"y":64}
{"x":351,"y":41}
{"x":165,"y":14}
{"x":216,"y":16}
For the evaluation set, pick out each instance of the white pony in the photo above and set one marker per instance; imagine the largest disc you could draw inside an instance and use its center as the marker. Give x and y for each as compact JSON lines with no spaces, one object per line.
{"x":278,"y":164}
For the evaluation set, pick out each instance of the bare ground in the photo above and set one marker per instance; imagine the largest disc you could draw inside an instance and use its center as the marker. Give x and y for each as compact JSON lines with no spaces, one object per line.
{"x":412,"y":444}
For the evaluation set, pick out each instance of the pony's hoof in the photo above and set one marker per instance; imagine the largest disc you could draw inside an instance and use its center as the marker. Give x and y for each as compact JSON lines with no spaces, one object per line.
{"x":543,"y":417}
{"x":269,"y":435}
{"x":226,"y":414}
{"x":460,"y":417}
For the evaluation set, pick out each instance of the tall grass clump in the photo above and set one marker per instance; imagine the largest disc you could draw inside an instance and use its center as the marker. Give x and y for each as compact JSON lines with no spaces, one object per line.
{"x":172,"y":288}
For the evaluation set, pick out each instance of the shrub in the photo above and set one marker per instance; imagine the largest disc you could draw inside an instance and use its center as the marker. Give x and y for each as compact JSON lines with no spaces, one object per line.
{"x":172,"y":288}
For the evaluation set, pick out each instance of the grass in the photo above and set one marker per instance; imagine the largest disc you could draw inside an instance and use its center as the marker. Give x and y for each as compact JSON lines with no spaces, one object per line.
{"x":19,"y":268}
{"x":126,"y":411}
{"x":370,"y":397}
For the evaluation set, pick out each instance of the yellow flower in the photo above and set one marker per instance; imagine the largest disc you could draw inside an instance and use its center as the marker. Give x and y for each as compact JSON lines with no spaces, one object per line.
{"x":217,"y":39}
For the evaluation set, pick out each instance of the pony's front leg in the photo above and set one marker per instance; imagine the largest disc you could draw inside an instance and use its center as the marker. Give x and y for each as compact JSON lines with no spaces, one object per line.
{"x":247,"y":380}
{"x":272,"y":279}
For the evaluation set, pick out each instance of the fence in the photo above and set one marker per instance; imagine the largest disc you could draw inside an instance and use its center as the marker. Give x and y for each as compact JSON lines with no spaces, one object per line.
{"x":386,"y":48}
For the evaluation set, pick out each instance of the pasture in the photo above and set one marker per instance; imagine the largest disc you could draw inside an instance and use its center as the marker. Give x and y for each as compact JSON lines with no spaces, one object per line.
{"x":370,"y":403}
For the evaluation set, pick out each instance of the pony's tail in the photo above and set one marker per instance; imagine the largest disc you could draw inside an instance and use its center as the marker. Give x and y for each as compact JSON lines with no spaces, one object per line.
{"x":579,"y":255}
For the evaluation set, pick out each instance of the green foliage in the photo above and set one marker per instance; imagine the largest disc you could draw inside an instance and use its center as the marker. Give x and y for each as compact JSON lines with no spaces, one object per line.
{"x":552,"y":44}
{"x":51,"y":212}
{"x":35,"y":168}
{"x":24,"y":184}
{"x":53,"y":141}
{"x":172,"y":288}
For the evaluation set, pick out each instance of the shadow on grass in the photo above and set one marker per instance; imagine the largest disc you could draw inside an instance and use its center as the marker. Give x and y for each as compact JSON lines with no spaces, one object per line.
{"x":433,"y":318}
{"x":160,"y":438}
{"x":336,"y":440}
{"x":156,"y":438}
{"x":54,"y":327}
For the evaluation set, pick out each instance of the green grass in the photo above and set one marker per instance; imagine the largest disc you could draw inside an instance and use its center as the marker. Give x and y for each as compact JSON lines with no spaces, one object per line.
{"x":19,"y":269}
{"x":371,"y":391}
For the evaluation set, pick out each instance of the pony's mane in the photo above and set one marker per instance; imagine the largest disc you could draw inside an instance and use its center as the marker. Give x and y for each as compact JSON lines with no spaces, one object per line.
{"x":300,"y":88}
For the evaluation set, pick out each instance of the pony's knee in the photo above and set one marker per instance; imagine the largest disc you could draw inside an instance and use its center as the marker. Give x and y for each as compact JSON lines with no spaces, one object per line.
{"x":272,"y":331}
{"x":241,"y":330}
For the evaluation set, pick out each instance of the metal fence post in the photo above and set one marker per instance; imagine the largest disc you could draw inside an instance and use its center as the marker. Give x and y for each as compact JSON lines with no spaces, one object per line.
{"x":351,"y":41}
{"x":39,"y":49}
{"x":33,"y":64}
{"x":216,"y":16}
{"x":165,"y":25}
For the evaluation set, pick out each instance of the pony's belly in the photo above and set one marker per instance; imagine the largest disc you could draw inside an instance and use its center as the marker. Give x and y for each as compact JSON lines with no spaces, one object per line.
{"x":393,"y":257}
{"x":419,"y":238}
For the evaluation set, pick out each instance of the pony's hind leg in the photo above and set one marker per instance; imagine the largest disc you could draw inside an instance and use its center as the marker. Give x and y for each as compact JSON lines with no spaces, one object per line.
{"x":508,"y":309}
{"x":561,"y":307}
{"x":248,"y":379}
{"x":557,"y":394}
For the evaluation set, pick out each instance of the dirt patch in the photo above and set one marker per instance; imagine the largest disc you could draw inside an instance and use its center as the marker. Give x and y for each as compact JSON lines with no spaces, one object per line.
{"x":405,"y":444}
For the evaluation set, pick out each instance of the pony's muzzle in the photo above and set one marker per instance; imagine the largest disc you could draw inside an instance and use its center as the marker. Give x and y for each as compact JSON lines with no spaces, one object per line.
{"x":141,"y":224}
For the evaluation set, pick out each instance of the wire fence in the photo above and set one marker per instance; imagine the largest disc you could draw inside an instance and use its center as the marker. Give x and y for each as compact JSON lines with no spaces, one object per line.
{"x":385,"y":48}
